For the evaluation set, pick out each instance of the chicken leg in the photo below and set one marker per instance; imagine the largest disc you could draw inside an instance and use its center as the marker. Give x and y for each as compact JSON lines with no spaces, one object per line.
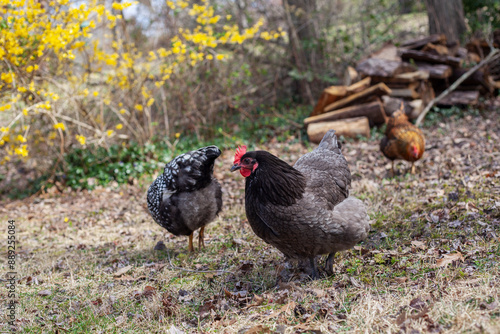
{"x":201,"y":235}
{"x":190,"y":244}
{"x":314,"y":268}
{"x":330,"y":260}
{"x":413,"y":168}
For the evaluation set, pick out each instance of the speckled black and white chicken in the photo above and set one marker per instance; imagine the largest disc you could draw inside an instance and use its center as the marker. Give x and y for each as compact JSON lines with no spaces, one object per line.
{"x":186,"y":196}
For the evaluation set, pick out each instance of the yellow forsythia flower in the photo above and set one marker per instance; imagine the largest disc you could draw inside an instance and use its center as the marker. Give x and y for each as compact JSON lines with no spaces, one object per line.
{"x":119,"y":126}
{"x":81,"y":139}
{"x":59,"y":126}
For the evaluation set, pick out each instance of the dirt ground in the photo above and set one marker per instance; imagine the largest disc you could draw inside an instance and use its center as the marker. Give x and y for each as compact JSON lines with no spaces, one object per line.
{"x":86,"y":261}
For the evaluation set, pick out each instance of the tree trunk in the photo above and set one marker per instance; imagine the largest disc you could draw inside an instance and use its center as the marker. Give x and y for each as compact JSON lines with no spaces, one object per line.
{"x":405,"y":6}
{"x":302,"y":32}
{"x":446,"y":17}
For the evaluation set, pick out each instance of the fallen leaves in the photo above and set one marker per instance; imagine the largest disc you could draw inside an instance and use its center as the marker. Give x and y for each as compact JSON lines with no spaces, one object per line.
{"x":488,"y":306}
{"x":148,"y":292}
{"x":122,"y":271}
{"x":419,"y":244}
{"x":259,"y":329}
{"x":418,"y":310}
{"x":449,"y":259}
{"x":45,"y":293}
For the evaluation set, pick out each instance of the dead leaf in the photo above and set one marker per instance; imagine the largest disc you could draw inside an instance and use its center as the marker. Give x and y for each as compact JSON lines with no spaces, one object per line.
{"x":307,"y":329}
{"x":355,"y":282}
{"x":361,"y":250}
{"x":419,"y":244}
{"x":449,"y":258}
{"x":205,"y":309}
{"x":289,"y":286}
{"x":148,"y":291}
{"x":45,"y":293}
{"x":404,"y":318}
{"x":168,"y":304}
{"x":256,"y":301}
{"x":246,"y":267}
{"x":401,"y":280}
{"x":174,"y":330}
{"x":97,"y":302}
{"x":318,"y":292}
{"x":259,"y":329}
{"x":491,"y":306}
{"x":418,"y":304}
{"x":235,"y":295}
{"x":32,"y":280}
{"x":122,"y":271}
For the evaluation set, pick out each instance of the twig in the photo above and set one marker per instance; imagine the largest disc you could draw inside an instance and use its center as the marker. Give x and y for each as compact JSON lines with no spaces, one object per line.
{"x":491,"y":56}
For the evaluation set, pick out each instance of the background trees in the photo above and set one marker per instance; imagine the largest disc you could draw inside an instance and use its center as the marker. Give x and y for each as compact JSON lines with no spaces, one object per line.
{"x":100,"y":74}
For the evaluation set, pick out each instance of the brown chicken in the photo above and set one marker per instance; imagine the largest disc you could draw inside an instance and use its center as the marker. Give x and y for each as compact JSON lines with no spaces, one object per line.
{"x":402,"y":140}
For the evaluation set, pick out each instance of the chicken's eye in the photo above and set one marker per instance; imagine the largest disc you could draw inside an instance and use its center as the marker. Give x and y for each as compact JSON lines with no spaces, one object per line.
{"x":247,"y":160}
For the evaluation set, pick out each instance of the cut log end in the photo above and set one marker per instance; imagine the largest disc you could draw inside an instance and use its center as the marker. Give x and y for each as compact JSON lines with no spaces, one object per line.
{"x":352,"y":128}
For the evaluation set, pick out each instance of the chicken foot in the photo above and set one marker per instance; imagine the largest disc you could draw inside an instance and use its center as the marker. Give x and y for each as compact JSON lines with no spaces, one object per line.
{"x":201,"y":235}
{"x":190,"y":243}
{"x":330,"y":260}
{"x":314,"y":268}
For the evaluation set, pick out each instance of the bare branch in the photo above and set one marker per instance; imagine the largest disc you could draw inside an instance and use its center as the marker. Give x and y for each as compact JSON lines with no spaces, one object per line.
{"x":493,"y":55}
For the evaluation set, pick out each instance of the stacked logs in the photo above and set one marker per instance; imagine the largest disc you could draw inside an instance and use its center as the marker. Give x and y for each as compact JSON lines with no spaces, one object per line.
{"x":411,"y":74}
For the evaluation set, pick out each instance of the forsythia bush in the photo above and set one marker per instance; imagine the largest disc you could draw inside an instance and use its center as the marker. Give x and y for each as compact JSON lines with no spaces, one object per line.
{"x":69,"y":76}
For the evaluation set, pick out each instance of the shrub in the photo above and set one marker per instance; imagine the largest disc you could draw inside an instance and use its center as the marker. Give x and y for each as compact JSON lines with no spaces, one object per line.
{"x":71,"y":76}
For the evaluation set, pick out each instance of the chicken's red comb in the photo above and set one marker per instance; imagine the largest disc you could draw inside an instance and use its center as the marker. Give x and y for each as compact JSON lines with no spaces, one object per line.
{"x":240,"y":151}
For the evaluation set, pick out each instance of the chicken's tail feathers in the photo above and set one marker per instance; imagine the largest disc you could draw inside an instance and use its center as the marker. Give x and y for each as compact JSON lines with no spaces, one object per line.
{"x":330,"y":142}
{"x":212,"y":152}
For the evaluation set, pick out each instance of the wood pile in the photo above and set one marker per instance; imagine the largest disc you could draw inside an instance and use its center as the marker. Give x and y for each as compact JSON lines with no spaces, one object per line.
{"x":412,"y":74}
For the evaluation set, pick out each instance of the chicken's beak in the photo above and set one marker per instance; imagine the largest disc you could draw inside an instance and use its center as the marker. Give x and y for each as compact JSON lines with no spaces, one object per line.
{"x":235,"y":167}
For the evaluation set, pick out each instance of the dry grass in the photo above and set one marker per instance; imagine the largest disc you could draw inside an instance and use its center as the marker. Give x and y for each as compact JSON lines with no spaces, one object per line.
{"x":71,"y":276}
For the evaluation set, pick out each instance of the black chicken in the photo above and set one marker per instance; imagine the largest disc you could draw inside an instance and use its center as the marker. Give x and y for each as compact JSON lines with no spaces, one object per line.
{"x":187,"y":196}
{"x":303,"y":210}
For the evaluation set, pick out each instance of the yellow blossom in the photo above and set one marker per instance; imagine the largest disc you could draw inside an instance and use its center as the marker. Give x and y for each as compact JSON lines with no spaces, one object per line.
{"x":21,"y":150}
{"x":59,"y":126}
{"x":81,"y":139}
{"x":119,"y":126}
{"x":21,"y":138}
{"x":109,"y":132}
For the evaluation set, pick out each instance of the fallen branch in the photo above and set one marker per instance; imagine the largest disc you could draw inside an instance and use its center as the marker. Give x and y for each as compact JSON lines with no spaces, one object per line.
{"x":493,"y":55}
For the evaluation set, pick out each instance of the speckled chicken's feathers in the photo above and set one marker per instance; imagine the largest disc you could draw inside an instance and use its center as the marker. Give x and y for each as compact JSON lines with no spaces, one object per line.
{"x":186,"y":194}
